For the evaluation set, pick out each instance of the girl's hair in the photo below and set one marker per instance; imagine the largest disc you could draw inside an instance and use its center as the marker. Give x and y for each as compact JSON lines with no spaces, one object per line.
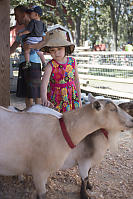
{"x":68,"y":50}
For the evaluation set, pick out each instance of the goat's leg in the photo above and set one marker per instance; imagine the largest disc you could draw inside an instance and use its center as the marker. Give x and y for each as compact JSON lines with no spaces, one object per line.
{"x":83,"y":191}
{"x":43,"y":196}
{"x":84,"y":165}
{"x":40,"y":180}
{"x":88,"y":186}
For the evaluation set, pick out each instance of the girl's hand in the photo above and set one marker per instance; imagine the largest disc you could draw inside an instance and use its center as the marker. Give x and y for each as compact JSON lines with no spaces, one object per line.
{"x":47,"y":103}
{"x":44,"y":85}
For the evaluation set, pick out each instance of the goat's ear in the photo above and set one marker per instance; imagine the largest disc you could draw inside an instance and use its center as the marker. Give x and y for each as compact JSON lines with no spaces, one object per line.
{"x":97,"y":105}
{"x":91,"y":98}
{"x":112,"y":107}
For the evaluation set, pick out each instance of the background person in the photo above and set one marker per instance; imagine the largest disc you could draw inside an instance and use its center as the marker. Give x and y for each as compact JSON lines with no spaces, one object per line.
{"x":129,"y":47}
{"x":34,"y":33}
{"x":29,"y":80}
{"x":60,"y":84}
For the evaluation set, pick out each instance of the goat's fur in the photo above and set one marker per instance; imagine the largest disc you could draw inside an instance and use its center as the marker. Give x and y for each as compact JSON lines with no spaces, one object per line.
{"x":33,"y":143}
{"x":91,"y":150}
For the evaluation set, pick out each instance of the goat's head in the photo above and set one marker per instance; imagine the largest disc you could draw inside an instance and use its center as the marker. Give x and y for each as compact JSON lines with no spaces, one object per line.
{"x":128,"y":107}
{"x":110,"y":116}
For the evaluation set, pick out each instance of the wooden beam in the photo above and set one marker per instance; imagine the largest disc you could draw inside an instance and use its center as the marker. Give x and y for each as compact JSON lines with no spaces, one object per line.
{"x":4,"y":52}
{"x":107,"y":92}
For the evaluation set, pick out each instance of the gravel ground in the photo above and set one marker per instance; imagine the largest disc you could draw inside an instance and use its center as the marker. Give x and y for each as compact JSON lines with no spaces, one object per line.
{"x":112,"y":179}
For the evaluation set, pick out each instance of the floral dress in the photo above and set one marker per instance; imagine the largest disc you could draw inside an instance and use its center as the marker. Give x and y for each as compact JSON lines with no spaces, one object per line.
{"x":61,"y":89}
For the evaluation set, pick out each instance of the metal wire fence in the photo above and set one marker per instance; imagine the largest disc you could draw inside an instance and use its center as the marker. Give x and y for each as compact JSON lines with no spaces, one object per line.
{"x":107,"y":73}
{"x":104,"y":73}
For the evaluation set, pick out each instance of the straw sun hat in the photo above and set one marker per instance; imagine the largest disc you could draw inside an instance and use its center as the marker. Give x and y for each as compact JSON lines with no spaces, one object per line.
{"x":57,"y":38}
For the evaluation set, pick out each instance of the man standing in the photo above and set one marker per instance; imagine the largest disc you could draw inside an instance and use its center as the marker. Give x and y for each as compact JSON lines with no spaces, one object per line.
{"x":29,"y":79}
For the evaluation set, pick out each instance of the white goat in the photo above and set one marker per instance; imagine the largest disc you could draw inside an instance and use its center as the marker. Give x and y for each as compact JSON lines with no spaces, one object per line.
{"x":32,"y":143}
{"x":89,"y":152}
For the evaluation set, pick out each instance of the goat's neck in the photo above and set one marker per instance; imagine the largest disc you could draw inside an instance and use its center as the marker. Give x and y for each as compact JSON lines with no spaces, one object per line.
{"x":80,"y":123}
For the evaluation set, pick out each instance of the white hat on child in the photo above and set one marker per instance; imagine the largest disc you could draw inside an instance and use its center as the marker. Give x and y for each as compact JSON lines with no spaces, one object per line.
{"x":57,"y":38}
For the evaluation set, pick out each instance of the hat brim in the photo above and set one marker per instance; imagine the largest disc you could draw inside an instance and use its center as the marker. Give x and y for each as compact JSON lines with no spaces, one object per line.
{"x":57,"y":43}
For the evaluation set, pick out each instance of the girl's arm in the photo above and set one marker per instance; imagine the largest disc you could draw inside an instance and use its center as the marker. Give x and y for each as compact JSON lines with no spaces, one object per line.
{"x":77,"y":83}
{"x":44,"y":85}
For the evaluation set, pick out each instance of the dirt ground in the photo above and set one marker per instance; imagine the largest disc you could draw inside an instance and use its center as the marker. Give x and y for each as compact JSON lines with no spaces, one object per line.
{"x":112,"y":179}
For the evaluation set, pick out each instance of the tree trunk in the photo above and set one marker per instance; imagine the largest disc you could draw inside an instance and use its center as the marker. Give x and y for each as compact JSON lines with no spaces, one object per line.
{"x":114,"y":35}
{"x":78,"y":24}
{"x":60,"y":11}
{"x":86,"y":31}
{"x":4,"y":53}
{"x":115,"y":18}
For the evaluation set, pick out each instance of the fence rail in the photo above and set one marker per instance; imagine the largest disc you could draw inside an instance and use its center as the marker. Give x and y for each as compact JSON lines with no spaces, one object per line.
{"x":106,"y":73}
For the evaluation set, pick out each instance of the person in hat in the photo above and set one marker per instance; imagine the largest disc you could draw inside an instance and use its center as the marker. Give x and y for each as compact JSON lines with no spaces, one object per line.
{"x":35,"y":32}
{"x":60,"y":86}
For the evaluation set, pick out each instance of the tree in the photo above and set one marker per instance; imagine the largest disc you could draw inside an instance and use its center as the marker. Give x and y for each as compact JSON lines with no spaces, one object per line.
{"x":106,"y":21}
{"x":115,"y":11}
{"x":126,"y":22}
{"x":77,"y":9}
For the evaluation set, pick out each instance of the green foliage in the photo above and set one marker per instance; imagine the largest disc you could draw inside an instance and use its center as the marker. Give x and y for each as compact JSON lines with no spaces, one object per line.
{"x":14,"y":3}
{"x":104,"y":21}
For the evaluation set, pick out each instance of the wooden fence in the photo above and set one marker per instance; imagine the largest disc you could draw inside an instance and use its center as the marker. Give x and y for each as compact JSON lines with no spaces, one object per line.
{"x":106,"y":73}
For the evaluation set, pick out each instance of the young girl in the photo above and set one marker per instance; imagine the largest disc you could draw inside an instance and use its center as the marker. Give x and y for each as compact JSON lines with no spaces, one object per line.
{"x":60,"y":86}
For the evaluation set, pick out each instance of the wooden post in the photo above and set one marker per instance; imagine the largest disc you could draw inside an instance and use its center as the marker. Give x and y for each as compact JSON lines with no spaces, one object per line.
{"x":4,"y":52}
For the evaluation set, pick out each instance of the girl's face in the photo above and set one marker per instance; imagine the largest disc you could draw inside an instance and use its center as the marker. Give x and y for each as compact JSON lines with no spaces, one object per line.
{"x":57,"y":53}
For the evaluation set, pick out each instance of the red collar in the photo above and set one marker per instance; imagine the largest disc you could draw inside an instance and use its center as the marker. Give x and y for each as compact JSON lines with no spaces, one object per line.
{"x":67,"y":136}
{"x":105,"y":133}
{"x":65,"y":133}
